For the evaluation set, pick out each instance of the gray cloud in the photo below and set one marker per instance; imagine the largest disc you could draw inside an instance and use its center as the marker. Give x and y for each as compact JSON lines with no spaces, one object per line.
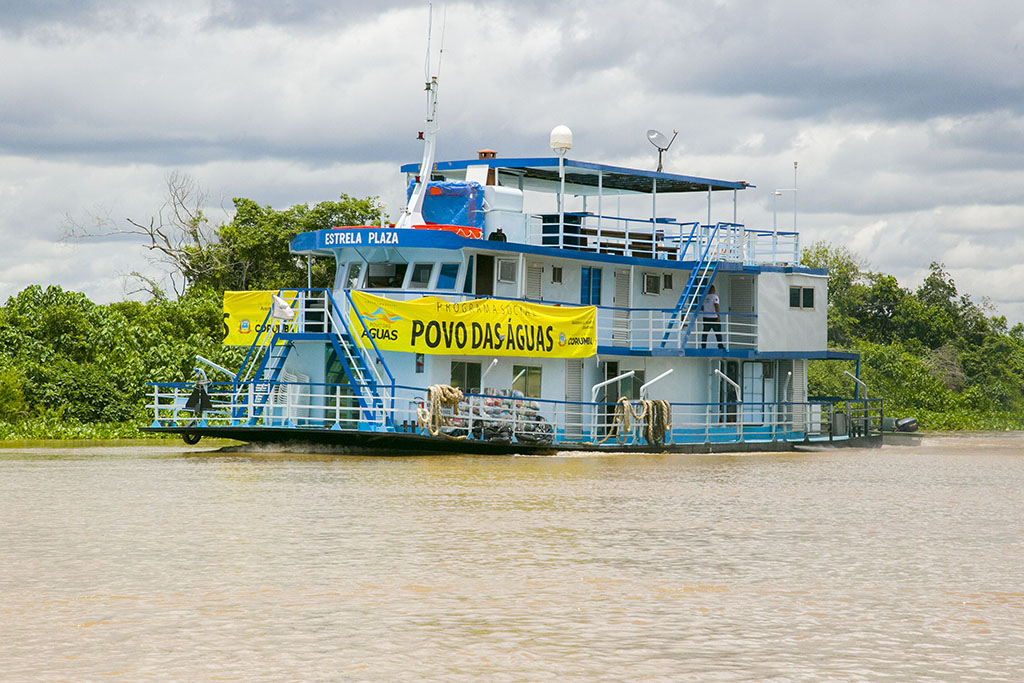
{"x":907,"y":118}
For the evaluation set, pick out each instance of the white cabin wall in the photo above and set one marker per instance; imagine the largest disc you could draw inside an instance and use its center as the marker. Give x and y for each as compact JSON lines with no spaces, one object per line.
{"x":688,"y":382}
{"x":781,"y":328}
{"x":308,"y":359}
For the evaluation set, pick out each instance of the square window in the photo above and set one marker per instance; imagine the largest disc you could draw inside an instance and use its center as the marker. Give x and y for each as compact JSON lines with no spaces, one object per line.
{"x":526,"y":378}
{"x":507,"y":271}
{"x":808,"y":297}
{"x":801,"y":297}
{"x":652,"y":283}
{"x":590,"y":286}
{"x":385,"y":275}
{"x":466,"y":376}
{"x":448,"y":276}
{"x":794,"y":297}
{"x":421,"y":275}
{"x":556,"y":275}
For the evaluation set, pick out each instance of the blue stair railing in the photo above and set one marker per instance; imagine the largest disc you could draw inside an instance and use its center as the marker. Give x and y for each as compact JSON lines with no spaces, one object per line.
{"x":361,"y":363}
{"x":318,"y":318}
{"x":701,"y":277}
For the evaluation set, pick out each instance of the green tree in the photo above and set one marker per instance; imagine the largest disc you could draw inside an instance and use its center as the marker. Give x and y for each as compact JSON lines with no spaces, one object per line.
{"x":254,"y":245}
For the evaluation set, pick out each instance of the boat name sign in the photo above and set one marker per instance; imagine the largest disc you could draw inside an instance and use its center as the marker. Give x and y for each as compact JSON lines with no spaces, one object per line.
{"x":344,"y":238}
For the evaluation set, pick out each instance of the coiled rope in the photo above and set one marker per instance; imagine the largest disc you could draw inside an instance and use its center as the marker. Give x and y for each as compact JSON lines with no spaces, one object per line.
{"x":431,"y":415}
{"x":659,"y":421}
{"x":620,"y":421}
{"x":655,"y":417}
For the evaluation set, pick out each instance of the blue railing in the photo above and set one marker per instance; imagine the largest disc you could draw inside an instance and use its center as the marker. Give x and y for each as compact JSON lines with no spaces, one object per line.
{"x":492,"y":415}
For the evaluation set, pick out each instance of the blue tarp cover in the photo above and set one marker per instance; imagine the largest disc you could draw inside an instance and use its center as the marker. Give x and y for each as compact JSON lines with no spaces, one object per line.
{"x":453,"y":202}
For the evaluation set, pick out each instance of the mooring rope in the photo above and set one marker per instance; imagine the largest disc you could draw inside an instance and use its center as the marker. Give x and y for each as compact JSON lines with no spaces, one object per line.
{"x":659,"y":421}
{"x":431,"y":415}
{"x":620,"y":420}
{"x":655,"y":418}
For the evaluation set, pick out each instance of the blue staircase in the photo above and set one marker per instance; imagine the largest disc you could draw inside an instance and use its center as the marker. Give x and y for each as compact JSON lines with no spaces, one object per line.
{"x":319,"y":321}
{"x":688,"y":307}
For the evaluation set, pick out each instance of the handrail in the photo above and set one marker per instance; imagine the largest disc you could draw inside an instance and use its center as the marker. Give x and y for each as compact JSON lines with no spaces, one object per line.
{"x":313,"y":405}
{"x":245,"y":370}
{"x":643,"y":387}
{"x":734,"y":385}
{"x":593,"y":389}
{"x":857,"y":380}
{"x":358,"y":339}
{"x":213,"y":365}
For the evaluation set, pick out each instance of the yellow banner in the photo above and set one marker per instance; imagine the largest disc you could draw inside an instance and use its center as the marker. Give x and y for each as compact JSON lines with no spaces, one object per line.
{"x":481,"y":327}
{"x":244,"y":315}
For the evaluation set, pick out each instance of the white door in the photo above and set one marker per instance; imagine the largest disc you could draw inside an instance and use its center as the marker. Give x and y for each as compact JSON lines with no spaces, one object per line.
{"x":753,"y":393}
{"x":620,"y":316}
{"x":574,"y":393}
{"x":739,"y":325}
{"x":534,"y":281}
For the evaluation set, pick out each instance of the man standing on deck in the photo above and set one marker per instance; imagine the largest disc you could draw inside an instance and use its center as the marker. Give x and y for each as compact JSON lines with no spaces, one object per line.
{"x":712,"y":323}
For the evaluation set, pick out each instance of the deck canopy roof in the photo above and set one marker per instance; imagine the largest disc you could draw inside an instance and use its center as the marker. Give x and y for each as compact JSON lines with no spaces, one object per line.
{"x":581,"y":177}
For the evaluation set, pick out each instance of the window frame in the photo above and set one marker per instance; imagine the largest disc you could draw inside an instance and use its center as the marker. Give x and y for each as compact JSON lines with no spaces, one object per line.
{"x":590,"y":286}
{"x":531,"y":379}
{"x":441,"y":274}
{"x":800,"y":293}
{"x":412,"y":275}
{"x":650,"y":283}
{"x":463,"y":383}
{"x":504,"y":278}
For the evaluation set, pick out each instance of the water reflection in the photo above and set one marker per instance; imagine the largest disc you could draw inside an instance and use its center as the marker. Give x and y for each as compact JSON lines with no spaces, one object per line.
{"x":136,"y":562}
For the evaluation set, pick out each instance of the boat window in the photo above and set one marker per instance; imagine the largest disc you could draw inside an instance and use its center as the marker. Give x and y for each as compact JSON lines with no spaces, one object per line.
{"x":590,"y":286}
{"x":667,"y":284}
{"x":808,"y":297}
{"x":467,"y":286}
{"x":801,"y":297}
{"x":421,"y":275}
{"x":526,"y":378}
{"x":447,"y":276}
{"x":466,"y":376}
{"x":652,"y":283}
{"x":506,"y":271}
{"x":355,"y":269}
{"x":385,"y":275}
{"x":556,"y":275}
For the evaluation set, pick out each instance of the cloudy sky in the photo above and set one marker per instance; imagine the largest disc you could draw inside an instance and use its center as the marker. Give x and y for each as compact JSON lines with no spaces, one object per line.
{"x":906,"y":117}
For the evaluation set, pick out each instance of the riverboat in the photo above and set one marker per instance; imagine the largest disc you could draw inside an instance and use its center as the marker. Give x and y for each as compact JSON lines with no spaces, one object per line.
{"x":514,"y":308}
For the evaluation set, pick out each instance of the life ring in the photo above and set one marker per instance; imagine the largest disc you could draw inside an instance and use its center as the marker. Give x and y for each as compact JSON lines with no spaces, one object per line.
{"x":191,"y":438}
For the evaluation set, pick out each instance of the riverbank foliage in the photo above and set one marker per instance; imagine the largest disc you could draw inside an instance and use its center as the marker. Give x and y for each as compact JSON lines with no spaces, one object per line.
{"x":932,"y":353}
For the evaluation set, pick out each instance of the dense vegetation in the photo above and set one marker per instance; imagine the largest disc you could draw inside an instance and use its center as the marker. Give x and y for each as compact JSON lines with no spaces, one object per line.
{"x":71,"y":368}
{"x":931,"y":353}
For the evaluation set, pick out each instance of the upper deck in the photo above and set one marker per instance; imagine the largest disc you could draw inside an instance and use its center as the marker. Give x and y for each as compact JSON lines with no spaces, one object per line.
{"x":523,"y":201}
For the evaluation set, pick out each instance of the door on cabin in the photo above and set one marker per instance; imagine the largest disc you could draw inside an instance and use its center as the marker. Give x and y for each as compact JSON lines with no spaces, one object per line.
{"x":573,"y":396}
{"x":484,"y":275}
{"x":620,"y":315}
{"x":534,"y":281}
{"x":739,"y":326}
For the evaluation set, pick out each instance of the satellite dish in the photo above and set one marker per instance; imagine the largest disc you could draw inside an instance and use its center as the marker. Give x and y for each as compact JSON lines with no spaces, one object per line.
{"x":661,"y":141}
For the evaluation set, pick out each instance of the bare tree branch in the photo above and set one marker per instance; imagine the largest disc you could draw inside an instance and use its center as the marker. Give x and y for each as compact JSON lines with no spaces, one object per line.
{"x":179,"y":237}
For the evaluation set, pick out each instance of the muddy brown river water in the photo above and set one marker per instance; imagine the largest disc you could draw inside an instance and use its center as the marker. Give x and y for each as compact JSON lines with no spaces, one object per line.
{"x":135,"y":563}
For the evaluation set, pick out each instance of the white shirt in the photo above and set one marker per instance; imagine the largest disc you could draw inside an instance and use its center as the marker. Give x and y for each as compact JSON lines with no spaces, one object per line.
{"x":710,"y":302}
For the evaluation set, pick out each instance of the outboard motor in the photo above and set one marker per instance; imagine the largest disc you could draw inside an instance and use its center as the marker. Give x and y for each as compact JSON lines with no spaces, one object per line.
{"x":906,"y":424}
{"x":198,"y":402}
